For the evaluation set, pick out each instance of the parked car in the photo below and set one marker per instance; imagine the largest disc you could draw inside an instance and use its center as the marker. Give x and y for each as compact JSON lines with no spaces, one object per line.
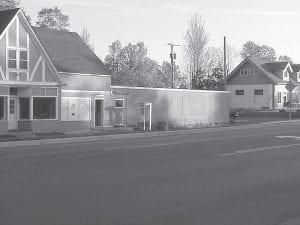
{"x":293,"y":107}
{"x":233,"y":115}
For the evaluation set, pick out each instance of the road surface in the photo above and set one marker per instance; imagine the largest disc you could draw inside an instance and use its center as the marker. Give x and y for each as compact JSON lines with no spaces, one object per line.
{"x":229,"y":177}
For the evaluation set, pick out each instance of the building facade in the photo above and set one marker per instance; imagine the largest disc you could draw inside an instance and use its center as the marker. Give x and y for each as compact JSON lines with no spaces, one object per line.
{"x":259,"y":84}
{"x":51,"y":81}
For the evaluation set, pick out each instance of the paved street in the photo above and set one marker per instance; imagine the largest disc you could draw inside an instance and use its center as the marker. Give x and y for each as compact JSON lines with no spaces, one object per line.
{"x":233,"y":176}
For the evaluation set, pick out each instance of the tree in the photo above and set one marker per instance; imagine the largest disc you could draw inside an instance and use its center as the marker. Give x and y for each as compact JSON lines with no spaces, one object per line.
{"x":9,"y":4}
{"x":285,"y":58}
{"x":86,"y":36}
{"x":253,"y":50}
{"x":180,"y":81}
{"x":195,"y":43}
{"x":53,"y":18}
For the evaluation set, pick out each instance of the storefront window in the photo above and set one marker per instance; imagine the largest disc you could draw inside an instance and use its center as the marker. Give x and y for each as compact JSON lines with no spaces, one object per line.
{"x":44,"y":108}
{"x":2,"y":108}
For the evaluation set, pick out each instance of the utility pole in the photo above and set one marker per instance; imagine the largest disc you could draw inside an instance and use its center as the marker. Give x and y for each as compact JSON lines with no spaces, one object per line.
{"x":225,"y":66}
{"x":172,"y":56}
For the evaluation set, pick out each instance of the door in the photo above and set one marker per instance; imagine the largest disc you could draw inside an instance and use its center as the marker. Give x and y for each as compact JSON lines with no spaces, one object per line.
{"x":13,"y":120}
{"x":98,"y":112}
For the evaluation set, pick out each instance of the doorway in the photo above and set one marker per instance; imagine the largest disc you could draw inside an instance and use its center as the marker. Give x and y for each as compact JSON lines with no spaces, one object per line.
{"x":99,"y":112}
{"x":13,"y":120}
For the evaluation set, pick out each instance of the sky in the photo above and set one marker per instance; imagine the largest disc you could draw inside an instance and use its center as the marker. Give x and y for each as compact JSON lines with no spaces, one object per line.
{"x":158,"y":22}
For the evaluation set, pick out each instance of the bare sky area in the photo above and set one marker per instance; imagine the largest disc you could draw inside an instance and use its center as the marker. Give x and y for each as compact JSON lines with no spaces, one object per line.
{"x":158,"y":22}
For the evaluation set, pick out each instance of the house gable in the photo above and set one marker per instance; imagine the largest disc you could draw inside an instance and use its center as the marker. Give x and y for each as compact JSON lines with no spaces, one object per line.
{"x":239,"y":78}
{"x":23,"y":58}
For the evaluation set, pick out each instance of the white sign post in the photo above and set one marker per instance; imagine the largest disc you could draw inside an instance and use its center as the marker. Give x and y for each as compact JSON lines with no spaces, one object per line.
{"x":290,"y":86}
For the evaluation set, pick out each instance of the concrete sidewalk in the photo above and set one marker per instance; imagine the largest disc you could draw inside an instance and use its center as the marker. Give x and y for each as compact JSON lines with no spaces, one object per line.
{"x":78,"y":139}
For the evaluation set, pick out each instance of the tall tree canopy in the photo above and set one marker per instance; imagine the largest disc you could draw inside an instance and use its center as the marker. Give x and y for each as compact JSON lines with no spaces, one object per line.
{"x":195,"y":43}
{"x":131,"y":66}
{"x":9,"y":4}
{"x":86,"y":37}
{"x":253,"y":50}
{"x":285,"y":58}
{"x":53,"y":18}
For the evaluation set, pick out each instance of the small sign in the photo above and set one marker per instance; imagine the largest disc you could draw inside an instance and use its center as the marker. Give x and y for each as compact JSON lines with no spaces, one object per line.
{"x":290,"y":86}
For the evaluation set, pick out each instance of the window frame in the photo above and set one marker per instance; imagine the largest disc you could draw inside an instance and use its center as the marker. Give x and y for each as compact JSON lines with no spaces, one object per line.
{"x":236,"y":92}
{"x":9,"y":59}
{"x":56,"y":107}
{"x":253,"y":74}
{"x":279,"y":97}
{"x":18,"y":59}
{"x":242,"y":72}
{"x":258,"y":91}
{"x":123,"y":103}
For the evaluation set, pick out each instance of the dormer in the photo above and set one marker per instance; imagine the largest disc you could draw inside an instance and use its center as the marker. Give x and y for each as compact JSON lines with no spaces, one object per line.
{"x":286,"y":72}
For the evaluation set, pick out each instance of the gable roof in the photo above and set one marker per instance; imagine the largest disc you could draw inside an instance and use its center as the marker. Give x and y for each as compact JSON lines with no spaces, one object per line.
{"x":5,"y":18}
{"x":266,"y":67}
{"x":69,"y":53}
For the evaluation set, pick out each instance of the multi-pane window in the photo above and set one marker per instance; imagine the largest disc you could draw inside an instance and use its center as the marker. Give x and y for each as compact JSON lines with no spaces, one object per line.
{"x":23,"y":60}
{"x":239,"y":92}
{"x":279,"y":97}
{"x":258,"y":92}
{"x":18,"y":59}
{"x":253,"y":72}
{"x":244,"y":72}
{"x":12,"y":59}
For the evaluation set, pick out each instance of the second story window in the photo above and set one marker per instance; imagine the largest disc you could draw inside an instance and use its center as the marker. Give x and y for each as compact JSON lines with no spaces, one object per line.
{"x":253,"y":72}
{"x":23,"y":63}
{"x":244,"y":72}
{"x":12,"y":59}
{"x":17,"y":59}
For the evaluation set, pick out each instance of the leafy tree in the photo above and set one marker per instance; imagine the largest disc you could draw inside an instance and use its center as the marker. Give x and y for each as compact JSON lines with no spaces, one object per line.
{"x":9,"y":4}
{"x":285,"y":58}
{"x":180,"y":81}
{"x":253,"y":50}
{"x":195,"y":43}
{"x":86,"y":37}
{"x":53,"y":18}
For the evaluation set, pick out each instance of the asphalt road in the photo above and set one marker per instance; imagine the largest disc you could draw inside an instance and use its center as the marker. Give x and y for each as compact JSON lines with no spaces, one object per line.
{"x":231,"y":177}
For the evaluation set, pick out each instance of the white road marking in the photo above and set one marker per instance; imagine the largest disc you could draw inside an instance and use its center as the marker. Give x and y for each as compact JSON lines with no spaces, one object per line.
{"x":258,"y":149}
{"x":292,"y":137}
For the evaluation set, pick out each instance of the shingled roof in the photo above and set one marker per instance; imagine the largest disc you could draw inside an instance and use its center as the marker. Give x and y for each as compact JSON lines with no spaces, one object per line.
{"x":69,"y":53}
{"x":5,"y":18}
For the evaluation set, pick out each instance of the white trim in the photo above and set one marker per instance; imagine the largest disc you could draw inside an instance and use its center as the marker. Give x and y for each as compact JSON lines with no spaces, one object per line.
{"x":85,"y":74}
{"x":2,"y":73}
{"x":43,"y":70}
{"x":166,"y":89}
{"x":26,"y":84}
{"x":9,"y":24}
{"x":83,"y":91}
{"x":35,"y":68}
{"x":18,"y":32}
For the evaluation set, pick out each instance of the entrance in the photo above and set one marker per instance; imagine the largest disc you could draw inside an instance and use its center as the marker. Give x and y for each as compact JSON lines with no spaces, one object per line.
{"x":144,"y":116}
{"x":99,"y":112}
{"x":13,"y":120}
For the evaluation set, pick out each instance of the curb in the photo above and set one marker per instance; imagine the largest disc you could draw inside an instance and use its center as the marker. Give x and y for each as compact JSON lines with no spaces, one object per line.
{"x":112,"y":137}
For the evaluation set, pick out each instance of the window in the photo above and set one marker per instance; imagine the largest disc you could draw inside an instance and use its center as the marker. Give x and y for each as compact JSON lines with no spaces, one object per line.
{"x":258,"y":92}
{"x":23,"y":60}
{"x":253,"y":72}
{"x":119,"y":103}
{"x":18,"y":59}
{"x":13,"y":91}
{"x":24,"y":108}
{"x":12,"y":59}
{"x":278,"y":97}
{"x":2,"y":108}
{"x":44,"y":108}
{"x":11,"y":106}
{"x":244,"y":72}
{"x":239,"y":92}
{"x":286,"y":74}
